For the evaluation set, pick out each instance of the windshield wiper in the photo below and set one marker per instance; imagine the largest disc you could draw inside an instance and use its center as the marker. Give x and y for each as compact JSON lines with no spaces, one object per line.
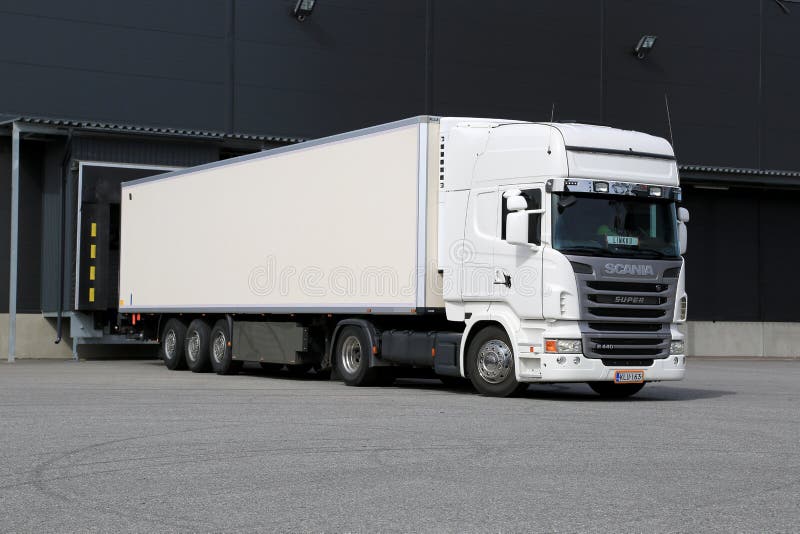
{"x":652,"y":254}
{"x":585,"y":249}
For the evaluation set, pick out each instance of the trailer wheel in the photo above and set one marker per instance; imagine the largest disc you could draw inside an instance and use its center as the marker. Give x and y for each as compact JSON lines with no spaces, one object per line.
{"x":352,"y":358}
{"x":610,"y":390}
{"x":198,"y":338}
{"x":490,"y":364}
{"x":222,"y":361}
{"x":172,"y":344}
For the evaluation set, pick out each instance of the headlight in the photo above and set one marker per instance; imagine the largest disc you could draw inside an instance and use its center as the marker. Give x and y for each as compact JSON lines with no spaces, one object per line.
{"x":563,"y":346}
{"x":676,"y":347}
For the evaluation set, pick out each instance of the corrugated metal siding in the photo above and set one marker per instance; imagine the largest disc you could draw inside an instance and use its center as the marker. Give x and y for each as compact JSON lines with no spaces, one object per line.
{"x":162,"y":152}
{"x":50,"y":236}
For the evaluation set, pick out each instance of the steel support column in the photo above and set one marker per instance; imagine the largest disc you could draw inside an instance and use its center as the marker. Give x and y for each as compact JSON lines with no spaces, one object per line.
{"x":12,"y":286}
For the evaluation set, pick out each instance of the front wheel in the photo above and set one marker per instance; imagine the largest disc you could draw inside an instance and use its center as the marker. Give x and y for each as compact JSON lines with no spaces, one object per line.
{"x":490,"y":364}
{"x":611,"y":390}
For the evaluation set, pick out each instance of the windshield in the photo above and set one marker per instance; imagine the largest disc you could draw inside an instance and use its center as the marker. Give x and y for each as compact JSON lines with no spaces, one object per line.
{"x":622,"y":226}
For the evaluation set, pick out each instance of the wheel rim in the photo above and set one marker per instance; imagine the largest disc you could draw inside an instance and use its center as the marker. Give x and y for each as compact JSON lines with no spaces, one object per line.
{"x":170,"y":344}
{"x":193,"y":346}
{"x":218,"y":347}
{"x":351,"y":354}
{"x":495,"y":361}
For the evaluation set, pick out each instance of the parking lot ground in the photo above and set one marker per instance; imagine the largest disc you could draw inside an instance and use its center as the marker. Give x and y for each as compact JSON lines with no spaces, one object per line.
{"x":129,"y":446}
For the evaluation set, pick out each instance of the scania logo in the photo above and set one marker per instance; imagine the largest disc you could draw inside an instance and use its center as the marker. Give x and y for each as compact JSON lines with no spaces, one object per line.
{"x":629,"y":268}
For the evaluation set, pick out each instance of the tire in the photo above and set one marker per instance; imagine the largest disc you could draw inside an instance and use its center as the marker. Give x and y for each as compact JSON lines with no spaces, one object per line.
{"x":198,"y":339}
{"x":172,"y":345}
{"x":352,"y":358}
{"x":490,"y":364}
{"x":219,"y":350}
{"x":610,"y":390}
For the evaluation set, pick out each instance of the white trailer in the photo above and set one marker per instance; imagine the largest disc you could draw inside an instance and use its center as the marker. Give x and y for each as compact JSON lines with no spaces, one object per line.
{"x":468,"y":246}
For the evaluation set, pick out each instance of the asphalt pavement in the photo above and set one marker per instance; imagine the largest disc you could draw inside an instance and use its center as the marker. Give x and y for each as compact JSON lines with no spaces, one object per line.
{"x":109,"y":446}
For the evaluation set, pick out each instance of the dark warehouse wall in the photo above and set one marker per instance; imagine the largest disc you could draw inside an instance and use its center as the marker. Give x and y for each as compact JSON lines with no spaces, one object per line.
{"x":729,"y":68}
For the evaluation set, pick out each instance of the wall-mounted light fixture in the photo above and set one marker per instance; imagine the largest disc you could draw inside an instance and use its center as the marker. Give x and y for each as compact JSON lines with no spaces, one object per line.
{"x":784,"y":7}
{"x":644,"y":46}
{"x":303,"y":9}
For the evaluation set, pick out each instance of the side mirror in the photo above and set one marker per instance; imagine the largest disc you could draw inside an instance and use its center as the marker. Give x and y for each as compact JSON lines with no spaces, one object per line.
{"x":517,"y":227}
{"x":516,"y":203}
{"x":683,"y":215}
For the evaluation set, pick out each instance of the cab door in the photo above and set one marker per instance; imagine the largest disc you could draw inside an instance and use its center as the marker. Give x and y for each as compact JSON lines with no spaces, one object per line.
{"x":476,"y":251}
{"x":518,"y":269}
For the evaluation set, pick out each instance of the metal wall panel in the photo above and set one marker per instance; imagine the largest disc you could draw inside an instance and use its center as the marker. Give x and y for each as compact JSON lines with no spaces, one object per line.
{"x":348,"y":66}
{"x":516,"y":59}
{"x":149,"y":152}
{"x":145,"y":62}
{"x":721,"y":263}
{"x":30,"y":226}
{"x":705,"y":59}
{"x":780,"y":110}
{"x":742,"y":258}
{"x":729,"y":68}
{"x":50,"y":232}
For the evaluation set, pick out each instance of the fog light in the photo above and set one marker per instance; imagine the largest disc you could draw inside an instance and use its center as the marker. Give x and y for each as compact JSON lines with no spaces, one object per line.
{"x":600,"y":187}
{"x":676,"y":347}
{"x":576,"y":360}
{"x":675,"y":360}
{"x":656,"y":191}
{"x":561,"y":359}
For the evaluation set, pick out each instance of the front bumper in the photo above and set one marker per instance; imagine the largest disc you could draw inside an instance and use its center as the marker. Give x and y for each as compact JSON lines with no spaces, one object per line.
{"x":545,"y":368}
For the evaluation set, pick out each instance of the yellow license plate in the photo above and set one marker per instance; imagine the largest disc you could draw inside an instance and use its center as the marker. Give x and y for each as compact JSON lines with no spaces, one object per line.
{"x":628,"y":377}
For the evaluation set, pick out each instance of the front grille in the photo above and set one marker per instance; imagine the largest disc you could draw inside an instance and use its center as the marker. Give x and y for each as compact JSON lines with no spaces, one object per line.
{"x":626,"y":319}
{"x":625,"y":327}
{"x":626,"y":340}
{"x":638,"y":287}
{"x":627,"y":301}
{"x":627,"y":310}
{"x":629,"y":346}
{"x":627,"y":313}
{"x":644,"y":362}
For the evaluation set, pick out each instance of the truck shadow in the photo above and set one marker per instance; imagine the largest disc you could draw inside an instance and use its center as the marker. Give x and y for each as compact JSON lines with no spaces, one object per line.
{"x":578,"y":392}
{"x":651,"y":392}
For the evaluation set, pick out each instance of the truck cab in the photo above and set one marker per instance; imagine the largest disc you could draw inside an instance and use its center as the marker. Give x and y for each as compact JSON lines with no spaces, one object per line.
{"x":564,"y":243}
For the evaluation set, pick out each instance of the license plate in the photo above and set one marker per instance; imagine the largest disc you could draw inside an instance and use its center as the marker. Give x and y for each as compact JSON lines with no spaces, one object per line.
{"x":628,"y":377}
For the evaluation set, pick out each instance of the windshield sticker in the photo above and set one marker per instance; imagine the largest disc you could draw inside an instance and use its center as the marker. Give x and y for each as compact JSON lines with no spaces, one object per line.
{"x":622,"y":240}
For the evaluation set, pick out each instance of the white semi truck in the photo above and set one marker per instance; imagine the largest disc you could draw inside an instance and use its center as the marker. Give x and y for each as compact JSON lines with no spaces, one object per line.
{"x":506,"y":252}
